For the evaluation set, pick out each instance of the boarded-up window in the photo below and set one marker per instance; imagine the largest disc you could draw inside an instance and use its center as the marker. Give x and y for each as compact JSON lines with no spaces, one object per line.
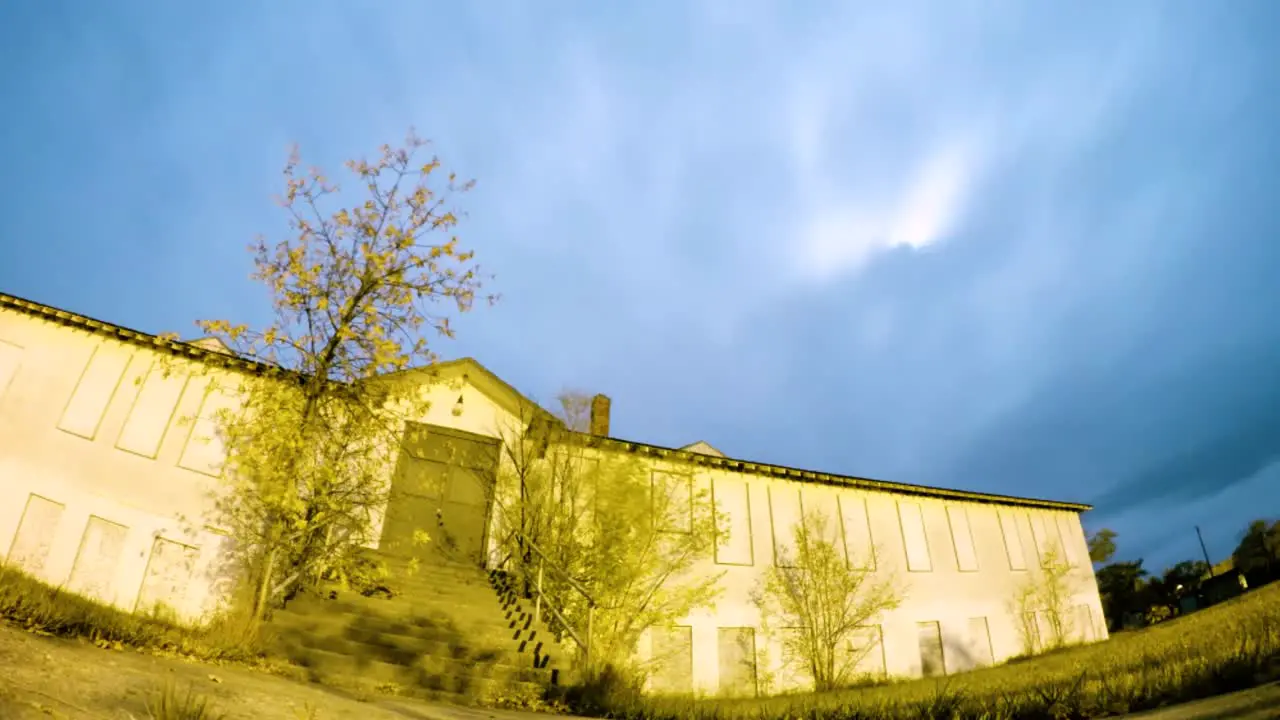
{"x":94,"y":572}
{"x":979,"y":642}
{"x":1084,"y":621}
{"x":785,"y":512}
{"x":858,"y":545}
{"x":962,"y":537}
{"x":672,"y":657}
{"x":1045,"y":535}
{"x":672,"y":502}
{"x":793,"y":669}
{"x":931,"y":659}
{"x":10,"y":361}
{"x":865,"y":651}
{"x":94,"y":391}
{"x":151,"y":413}
{"x":1070,"y":538}
{"x":732,"y":499}
{"x":168,"y":573}
{"x":1012,"y":541}
{"x":737,"y":647}
{"x":204,"y":451}
{"x":36,"y":531}
{"x":912,"y":521}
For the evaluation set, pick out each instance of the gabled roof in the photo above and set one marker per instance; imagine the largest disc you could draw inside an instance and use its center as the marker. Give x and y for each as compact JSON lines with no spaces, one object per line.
{"x":514,"y":402}
{"x":702,"y":447}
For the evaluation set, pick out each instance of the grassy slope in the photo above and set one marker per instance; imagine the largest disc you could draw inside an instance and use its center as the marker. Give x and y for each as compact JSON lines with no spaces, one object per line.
{"x":1224,"y":648}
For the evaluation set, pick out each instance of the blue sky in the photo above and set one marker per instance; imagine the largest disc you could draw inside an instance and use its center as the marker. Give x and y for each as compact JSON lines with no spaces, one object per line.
{"x":1015,"y":247}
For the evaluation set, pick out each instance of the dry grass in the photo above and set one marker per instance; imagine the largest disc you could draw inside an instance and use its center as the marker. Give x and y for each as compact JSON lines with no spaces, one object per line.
{"x":42,"y":609}
{"x":1221,"y":649}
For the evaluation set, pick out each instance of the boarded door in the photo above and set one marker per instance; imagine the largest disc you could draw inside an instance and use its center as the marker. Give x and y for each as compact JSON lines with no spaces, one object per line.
{"x":442,"y":487}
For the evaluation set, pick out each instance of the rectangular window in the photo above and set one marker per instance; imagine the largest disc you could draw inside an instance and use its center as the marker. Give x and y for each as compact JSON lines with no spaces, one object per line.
{"x":152,"y":412}
{"x":980,"y":642}
{"x":168,"y":574}
{"x":1045,"y":534}
{"x":1070,"y":537}
{"x":36,"y":532}
{"x":732,"y":502}
{"x":785,"y":513}
{"x":931,"y":658}
{"x":672,"y":497}
{"x":672,"y":658}
{"x":858,"y":545}
{"x":94,"y":572}
{"x":913,"y":536}
{"x":204,"y":451}
{"x":10,"y":361}
{"x":1012,"y":541}
{"x":737,"y":651}
{"x":1084,"y":619}
{"x":962,"y":537}
{"x":865,"y":650}
{"x":93,"y":393}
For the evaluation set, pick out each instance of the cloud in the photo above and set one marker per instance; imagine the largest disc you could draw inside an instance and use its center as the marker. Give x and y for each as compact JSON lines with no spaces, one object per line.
{"x":841,"y":239}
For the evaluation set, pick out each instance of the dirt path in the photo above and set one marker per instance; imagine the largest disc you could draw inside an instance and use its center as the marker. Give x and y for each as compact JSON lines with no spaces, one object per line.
{"x":49,"y":677}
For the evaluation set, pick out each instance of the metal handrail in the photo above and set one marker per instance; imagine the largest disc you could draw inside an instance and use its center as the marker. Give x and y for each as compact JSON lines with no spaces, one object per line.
{"x":544,"y":561}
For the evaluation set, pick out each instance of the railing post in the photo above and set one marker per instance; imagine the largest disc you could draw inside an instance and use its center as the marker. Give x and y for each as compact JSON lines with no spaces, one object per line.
{"x":537,"y":602}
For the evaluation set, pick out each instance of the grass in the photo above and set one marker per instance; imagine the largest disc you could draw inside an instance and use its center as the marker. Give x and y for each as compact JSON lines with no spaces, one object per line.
{"x":1228,"y":647}
{"x":168,"y":704}
{"x":40,"y":608}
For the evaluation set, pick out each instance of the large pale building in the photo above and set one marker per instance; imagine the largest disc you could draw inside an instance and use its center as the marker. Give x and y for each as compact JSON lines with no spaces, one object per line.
{"x":107,"y":468}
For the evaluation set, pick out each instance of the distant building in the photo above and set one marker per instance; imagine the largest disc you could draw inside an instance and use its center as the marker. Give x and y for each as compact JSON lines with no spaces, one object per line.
{"x":105,"y":491}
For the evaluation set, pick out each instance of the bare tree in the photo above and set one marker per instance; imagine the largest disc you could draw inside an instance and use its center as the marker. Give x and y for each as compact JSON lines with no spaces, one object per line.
{"x":1047,"y":593}
{"x":824,"y":603}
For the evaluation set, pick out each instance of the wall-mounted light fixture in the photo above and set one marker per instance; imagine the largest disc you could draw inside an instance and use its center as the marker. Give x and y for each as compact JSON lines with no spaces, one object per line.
{"x":457,"y":407}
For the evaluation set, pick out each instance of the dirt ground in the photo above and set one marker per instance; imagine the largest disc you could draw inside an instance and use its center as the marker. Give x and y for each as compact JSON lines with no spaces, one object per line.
{"x":43,"y":677}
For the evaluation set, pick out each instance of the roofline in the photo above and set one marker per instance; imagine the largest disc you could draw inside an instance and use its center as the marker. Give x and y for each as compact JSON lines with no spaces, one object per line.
{"x":119,"y":332}
{"x":192,"y":352}
{"x":790,"y":473}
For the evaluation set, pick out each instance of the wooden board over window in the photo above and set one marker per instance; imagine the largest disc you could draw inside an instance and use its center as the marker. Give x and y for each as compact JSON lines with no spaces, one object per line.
{"x":732,"y":499}
{"x":672,"y":658}
{"x":1012,"y":541}
{"x":913,"y":536}
{"x":101,"y":546}
{"x":36,"y":531}
{"x":737,"y":654}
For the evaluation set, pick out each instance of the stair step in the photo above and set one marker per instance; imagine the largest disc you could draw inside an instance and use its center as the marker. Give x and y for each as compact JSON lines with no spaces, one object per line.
{"x":439,"y":660}
{"x":484,"y":635}
{"x":407,"y":680}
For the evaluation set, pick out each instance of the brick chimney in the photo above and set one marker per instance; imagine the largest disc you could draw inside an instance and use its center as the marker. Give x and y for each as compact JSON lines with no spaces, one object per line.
{"x":599,"y":416}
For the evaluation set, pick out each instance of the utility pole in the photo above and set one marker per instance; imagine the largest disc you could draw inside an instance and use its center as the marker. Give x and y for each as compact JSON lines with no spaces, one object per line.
{"x":1203,"y":550}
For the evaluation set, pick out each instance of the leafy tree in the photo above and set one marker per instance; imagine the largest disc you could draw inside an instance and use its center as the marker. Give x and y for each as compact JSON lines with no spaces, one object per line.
{"x":1121,"y":586}
{"x":1047,"y":593}
{"x":814,"y":591}
{"x":1259,"y":549}
{"x":1102,"y":546}
{"x":310,"y":446}
{"x":605,"y":522}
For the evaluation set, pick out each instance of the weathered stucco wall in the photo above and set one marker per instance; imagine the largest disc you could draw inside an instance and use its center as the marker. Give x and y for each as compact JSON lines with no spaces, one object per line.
{"x":106,"y":470}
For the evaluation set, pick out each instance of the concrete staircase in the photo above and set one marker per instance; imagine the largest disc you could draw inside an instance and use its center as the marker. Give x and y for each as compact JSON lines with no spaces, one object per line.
{"x":450,"y":632}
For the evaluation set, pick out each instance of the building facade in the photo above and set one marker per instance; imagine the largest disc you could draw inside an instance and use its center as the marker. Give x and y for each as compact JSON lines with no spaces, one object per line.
{"x":107,"y":470}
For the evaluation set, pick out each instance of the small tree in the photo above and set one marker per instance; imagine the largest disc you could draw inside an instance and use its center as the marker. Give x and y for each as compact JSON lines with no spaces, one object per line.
{"x":1047,"y":593}
{"x":1102,"y":546}
{"x":609,"y":523}
{"x":310,"y":447}
{"x":1259,"y":549}
{"x":816,"y":593}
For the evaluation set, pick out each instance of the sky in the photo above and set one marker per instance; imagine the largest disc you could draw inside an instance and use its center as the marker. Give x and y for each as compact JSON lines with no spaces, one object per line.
{"x":1019,"y":247}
